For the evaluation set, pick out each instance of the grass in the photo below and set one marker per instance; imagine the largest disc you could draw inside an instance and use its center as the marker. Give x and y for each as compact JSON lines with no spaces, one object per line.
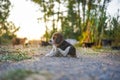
{"x":19,"y":53}
{"x":97,"y":52}
{"x":22,"y":74}
{"x":107,"y":50}
{"x":17,"y":74}
{"x":7,"y":54}
{"x":14,"y":57}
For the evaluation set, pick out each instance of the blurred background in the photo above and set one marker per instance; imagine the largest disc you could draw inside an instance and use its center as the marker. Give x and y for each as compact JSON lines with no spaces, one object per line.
{"x":89,"y":22}
{"x":92,"y":26}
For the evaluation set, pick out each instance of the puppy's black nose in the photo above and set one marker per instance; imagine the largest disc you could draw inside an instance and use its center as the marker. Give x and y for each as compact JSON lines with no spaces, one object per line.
{"x":50,"y":41}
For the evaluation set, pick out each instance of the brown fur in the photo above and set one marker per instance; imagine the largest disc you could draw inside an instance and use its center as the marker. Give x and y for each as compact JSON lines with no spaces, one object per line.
{"x":62,"y":44}
{"x":58,"y":38}
{"x":18,"y":41}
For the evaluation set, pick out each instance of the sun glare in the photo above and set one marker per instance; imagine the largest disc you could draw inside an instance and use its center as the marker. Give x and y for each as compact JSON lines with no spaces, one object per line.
{"x":24,"y":14}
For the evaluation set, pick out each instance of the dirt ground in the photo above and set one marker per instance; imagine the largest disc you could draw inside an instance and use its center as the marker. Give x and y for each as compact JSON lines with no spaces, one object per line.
{"x":91,"y":64}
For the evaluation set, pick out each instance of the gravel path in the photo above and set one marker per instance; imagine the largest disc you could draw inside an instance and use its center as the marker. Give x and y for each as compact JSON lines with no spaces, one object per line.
{"x":102,"y":67}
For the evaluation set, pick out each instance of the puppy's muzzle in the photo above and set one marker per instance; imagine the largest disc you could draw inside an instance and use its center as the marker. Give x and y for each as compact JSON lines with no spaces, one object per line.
{"x":50,"y":41}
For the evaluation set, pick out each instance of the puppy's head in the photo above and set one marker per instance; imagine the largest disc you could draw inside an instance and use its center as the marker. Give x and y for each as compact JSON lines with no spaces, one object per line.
{"x":57,"y":39}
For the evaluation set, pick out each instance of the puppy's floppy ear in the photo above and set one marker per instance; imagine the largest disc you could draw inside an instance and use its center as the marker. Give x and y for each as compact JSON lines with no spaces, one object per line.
{"x":59,"y":39}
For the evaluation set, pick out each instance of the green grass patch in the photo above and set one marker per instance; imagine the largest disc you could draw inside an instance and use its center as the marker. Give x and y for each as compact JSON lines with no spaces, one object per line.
{"x":17,"y":74}
{"x":14,"y":56}
{"x":22,"y":74}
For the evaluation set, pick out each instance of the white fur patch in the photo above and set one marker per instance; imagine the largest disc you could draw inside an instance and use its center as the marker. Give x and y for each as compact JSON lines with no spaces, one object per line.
{"x":56,"y":51}
{"x":53,"y":52}
{"x":64,"y":52}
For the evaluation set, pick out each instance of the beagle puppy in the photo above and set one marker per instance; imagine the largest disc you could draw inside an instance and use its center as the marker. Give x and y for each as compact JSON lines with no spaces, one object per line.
{"x":61,"y":47}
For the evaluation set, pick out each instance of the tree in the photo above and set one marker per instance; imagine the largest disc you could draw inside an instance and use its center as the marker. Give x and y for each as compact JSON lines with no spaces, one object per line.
{"x":7,"y":29}
{"x":94,"y":21}
{"x":4,"y":10}
{"x":79,"y":19}
{"x":114,"y":31}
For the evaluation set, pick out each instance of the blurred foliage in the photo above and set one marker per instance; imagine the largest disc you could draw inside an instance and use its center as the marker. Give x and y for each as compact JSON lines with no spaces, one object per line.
{"x":7,"y":29}
{"x":114,"y":31}
{"x":7,"y":32}
{"x":84,"y":20}
{"x":4,"y":10}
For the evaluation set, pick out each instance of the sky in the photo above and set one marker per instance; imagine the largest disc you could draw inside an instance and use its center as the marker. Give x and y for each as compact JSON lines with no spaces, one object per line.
{"x":24,"y":14}
{"x":113,"y":7}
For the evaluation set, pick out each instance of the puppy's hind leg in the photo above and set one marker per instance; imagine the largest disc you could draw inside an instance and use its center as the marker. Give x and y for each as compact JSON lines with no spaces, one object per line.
{"x":64,"y":52}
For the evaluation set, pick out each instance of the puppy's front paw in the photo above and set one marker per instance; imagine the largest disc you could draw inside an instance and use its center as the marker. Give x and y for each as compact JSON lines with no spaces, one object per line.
{"x":58,"y":49}
{"x":48,"y":54}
